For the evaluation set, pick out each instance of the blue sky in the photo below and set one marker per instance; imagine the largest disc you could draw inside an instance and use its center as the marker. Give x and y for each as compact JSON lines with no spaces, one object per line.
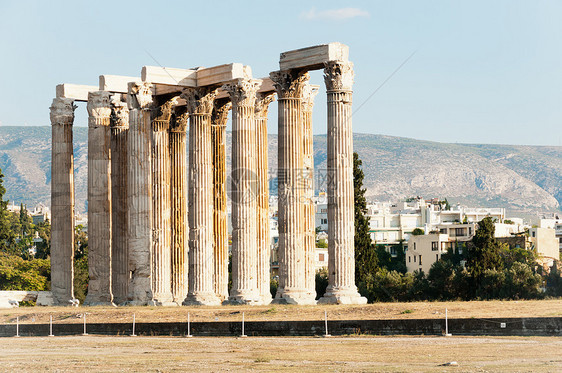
{"x":482,"y":72}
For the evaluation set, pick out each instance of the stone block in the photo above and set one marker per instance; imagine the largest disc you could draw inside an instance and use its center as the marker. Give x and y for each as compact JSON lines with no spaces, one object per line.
{"x":313,"y":58}
{"x":115,"y":83}
{"x":75,"y":91}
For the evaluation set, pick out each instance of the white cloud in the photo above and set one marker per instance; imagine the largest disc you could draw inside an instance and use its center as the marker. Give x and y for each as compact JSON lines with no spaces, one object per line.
{"x":334,"y":14}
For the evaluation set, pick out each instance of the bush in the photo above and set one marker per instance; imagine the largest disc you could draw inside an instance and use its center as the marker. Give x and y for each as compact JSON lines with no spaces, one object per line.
{"x":321,"y":281}
{"x":19,"y":274}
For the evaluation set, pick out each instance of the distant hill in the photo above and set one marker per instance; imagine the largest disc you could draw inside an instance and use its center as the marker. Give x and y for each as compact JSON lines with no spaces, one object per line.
{"x":520,"y":178}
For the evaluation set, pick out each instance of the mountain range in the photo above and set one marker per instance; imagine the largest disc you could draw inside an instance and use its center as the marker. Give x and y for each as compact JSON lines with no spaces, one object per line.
{"x":524,"y":179}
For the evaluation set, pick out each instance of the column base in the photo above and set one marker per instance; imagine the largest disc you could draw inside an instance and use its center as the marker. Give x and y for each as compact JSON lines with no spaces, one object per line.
{"x":140,"y":303}
{"x":300,"y":297}
{"x":250,"y":298}
{"x":265,"y":300}
{"x":201,"y":299}
{"x":342,"y":296}
{"x":165,"y":300}
{"x":97,"y":302}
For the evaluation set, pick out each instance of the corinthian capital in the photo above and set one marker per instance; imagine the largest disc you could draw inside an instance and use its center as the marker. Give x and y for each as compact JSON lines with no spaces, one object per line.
{"x":99,"y":108}
{"x":262,"y":103}
{"x":163,"y":113}
{"x":309,"y":92}
{"x":289,"y":83}
{"x":243,"y":91}
{"x":220,"y":112}
{"x":199,"y":100}
{"x":62,"y":111}
{"x":179,"y":124}
{"x":338,"y":75}
{"x":119,"y":112}
{"x":140,"y":96}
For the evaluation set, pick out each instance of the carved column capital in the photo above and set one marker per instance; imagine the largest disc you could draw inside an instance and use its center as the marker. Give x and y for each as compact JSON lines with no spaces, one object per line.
{"x":162,"y":114}
{"x":119,"y":113}
{"x":99,"y":108}
{"x":199,"y":100}
{"x":243,"y":91}
{"x":289,"y":83}
{"x":179,"y":124}
{"x":262,"y":103}
{"x":62,"y":111}
{"x":140,"y":96}
{"x":338,"y":75}
{"x":309,"y":92}
{"x":220,"y":112}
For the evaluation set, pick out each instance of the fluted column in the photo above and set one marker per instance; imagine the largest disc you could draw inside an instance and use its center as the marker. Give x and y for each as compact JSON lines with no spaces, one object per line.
{"x":292,"y":286}
{"x":139,"y":196}
{"x":180,"y":229}
{"x":338,"y":76}
{"x":119,"y":249}
{"x":220,"y":225}
{"x":309,"y":92}
{"x":201,"y":262}
{"x":244,"y":189}
{"x":262,"y":222}
{"x":161,"y":205}
{"x":62,"y":200}
{"x":99,"y":199}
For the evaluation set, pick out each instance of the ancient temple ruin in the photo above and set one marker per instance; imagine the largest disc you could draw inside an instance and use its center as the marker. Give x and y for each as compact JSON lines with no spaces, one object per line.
{"x":157,"y":216}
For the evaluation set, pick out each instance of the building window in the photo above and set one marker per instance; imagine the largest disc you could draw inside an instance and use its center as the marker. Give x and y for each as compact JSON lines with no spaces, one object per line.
{"x":443,"y":230}
{"x":459,"y":232}
{"x":470,"y":231}
{"x":323,"y":221}
{"x":409,"y":259}
{"x":420,"y":260}
{"x":434,"y":246}
{"x":414,"y":258}
{"x":414,"y":246}
{"x":320,"y":257}
{"x":533,"y":233}
{"x":436,"y":257}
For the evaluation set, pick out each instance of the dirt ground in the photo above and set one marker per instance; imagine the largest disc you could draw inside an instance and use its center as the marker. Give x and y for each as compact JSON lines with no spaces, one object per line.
{"x":292,"y":354}
{"x":413,"y":310}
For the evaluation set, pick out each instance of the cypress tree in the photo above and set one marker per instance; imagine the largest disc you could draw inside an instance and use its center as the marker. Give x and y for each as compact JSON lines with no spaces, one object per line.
{"x":485,"y":251}
{"x":365,"y":254}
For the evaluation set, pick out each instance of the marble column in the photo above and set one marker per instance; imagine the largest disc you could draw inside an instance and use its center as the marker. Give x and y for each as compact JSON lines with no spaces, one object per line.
{"x":62,"y":201}
{"x":309,"y":92}
{"x":262,"y":222}
{"x":220,"y":224}
{"x":139,"y":196}
{"x":244,"y":192}
{"x":338,"y":76}
{"x":119,"y":249}
{"x":99,"y":199}
{"x":161,"y":205}
{"x":180,"y":229}
{"x":292,"y":286}
{"x":201,"y":262}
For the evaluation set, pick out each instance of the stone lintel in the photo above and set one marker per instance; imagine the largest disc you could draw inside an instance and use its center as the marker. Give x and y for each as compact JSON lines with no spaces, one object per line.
{"x":115,"y":83}
{"x":313,"y":58}
{"x":169,"y":76}
{"x":75,"y":91}
{"x":222,"y":74}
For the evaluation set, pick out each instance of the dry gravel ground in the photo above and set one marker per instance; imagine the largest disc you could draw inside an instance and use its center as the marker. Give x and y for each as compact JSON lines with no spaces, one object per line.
{"x":338,"y":354}
{"x":412,"y":310}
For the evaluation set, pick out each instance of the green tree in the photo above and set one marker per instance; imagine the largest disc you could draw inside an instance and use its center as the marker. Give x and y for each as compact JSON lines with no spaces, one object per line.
{"x":365,"y":253}
{"x":81,"y":274}
{"x":26,"y":222}
{"x":418,"y":232}
{"x":485,"y":252}
{"x":17,"y":273}
{"x":7,"y":236}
